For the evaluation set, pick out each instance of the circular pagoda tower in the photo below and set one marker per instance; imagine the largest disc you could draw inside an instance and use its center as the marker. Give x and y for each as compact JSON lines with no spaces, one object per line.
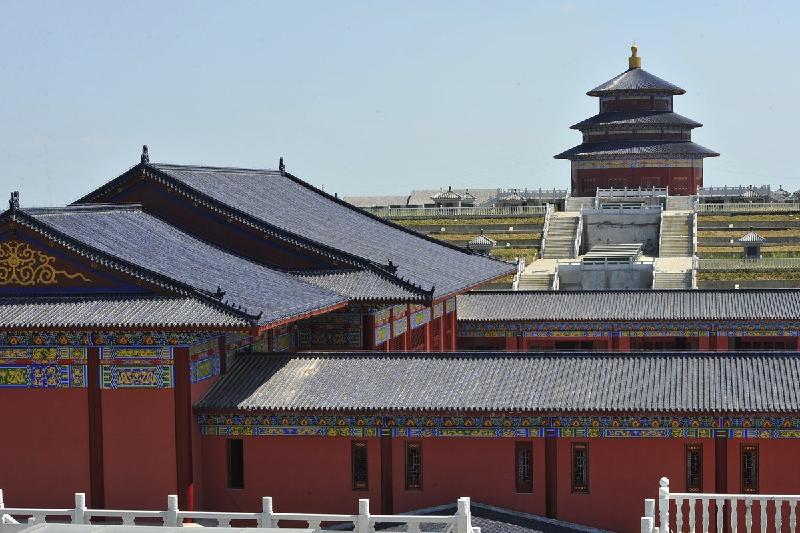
{"x":636,"y":140}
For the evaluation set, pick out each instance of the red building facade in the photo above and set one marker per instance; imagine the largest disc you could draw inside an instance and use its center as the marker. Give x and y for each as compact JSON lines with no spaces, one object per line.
{"x":636,"y":140}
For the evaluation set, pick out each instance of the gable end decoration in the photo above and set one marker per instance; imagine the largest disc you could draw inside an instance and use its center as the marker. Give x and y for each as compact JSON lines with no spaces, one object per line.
{"x":22,"y":265}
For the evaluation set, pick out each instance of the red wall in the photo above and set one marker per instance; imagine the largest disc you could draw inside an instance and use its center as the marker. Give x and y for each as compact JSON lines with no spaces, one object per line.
{"x":635,"y":177}
{"x":138,"y":448}
{"x":197,"y":392}
{"x":302,"y":474}
{"x":481,"y":468}
{"x":44,"y":447}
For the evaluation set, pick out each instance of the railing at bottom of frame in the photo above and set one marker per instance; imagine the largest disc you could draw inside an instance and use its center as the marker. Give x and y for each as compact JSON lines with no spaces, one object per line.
{"x":363,"y":522}
{"x":694,"y":511}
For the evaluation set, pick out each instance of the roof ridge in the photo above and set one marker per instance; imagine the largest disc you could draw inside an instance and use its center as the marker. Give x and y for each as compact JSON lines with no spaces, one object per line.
{"x":80,"y":208}
{"x":545,"y":354}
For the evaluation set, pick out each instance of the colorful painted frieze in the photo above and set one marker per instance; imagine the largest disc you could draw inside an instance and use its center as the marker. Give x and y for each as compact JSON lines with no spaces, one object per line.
{"x":420,"y":318}
{"x":107,"y":338}
{"x":699,"y":427}
{"x":136,"y":377}
{"x":438,"y":310}
{"x":43,"y":376}
{"x":382,"y":334}
{"x":450,"y":305}
{"x":399,"y":327}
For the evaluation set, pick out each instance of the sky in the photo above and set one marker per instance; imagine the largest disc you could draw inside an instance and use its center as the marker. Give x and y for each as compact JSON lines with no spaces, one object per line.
{"x":378,"y":97}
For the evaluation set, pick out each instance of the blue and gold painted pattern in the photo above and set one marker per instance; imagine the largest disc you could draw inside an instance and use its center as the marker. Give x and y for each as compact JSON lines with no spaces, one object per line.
{"x":503,"y":426}
{"x":136,"y":377}
{"x":42,"y":367}
{"x":106,"y":338}
{"x":629,"y":329}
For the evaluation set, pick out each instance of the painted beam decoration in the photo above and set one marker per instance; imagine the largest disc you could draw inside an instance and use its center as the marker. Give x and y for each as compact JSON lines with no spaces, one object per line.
{"x":136,"y":368}
{"x":652,"y":426}
{"x":383,"y":325}
{"x":43,"y":367}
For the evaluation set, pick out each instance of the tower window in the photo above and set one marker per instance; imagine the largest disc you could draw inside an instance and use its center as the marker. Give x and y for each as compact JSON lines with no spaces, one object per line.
{"x":749,"y":468}
{"x":580,"y":468}
{"x":235,"y":464}
{"x":413,"y":466}
{"x":358,"y":454}
{"x":523,"y":453}
{"x":694,"y":468}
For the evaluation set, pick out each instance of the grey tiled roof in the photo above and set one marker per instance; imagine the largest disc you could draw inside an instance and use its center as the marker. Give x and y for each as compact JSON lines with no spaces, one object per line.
{"x":492,"y":382}
{"x":362,"y":285}
{"x":753,"y":304}
{"x":623,"y":149}
{"x":286,"y":202}
{"x":151,"y":244}
{"x":123,"y":311}
{"x":376,"y":201}
{"x":635,"y":80}
{"x":638,"y":118}
{"x":423,"y":196}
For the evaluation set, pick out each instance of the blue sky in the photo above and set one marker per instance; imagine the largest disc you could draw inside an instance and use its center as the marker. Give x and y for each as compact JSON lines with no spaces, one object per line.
{"x":377,"y":97}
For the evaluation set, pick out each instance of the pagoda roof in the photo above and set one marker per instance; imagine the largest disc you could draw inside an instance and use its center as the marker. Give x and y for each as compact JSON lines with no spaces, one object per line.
{"x":128,"y":239}
{"x":482,"y":240}
{"x":636,"y":149}
{"x":289,"y":207}
{"x":501,"y":382}
{"x":635,"y":80}
{"x":636,"y":118}
{"x":449,"y":194}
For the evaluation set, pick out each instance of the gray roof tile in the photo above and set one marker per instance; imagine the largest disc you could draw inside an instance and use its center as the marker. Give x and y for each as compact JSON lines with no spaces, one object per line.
{"x":104,"y":311}
{"x":129,"y":234}
{"x":286,"y":202}
{"x":754,"y":304}
{"x":491,"y":382}
{"x":622,"y":149}
{"x":635,"y":80}
{"x":361,"y":285}
{"x":636,"y":118}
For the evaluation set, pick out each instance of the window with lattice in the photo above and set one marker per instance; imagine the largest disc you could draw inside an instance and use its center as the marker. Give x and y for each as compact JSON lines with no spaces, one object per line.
{"x":580,"y":468}
{"x":524,"y":466}
{"x":358,"y":454}
{"x":413,"y":466}
{"x":694,"y":468}
{"x":749,"y":468}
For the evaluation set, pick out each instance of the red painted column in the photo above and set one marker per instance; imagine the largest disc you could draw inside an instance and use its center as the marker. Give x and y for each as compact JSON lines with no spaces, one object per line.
{"x":511,"y":344}
{"x":453,"y":331}
{"x":722,"y":343}
{"x":704,"y":343}
{"x":443,"y":340}
{"x":550,"y":476}
{"x":624,"y":344}
{"x":520,"y":343}
{"x":222,"y":348}
{"x":387,"y":490}
{"x":95,"y":406}
{"x":428,"y":326}
{"x":183,"y":429}
{"x":368,"y":332}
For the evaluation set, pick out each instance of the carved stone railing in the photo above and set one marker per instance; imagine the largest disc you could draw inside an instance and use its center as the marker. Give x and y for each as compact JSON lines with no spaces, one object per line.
{"x":428,"y":212}
{"x":520,"y":270}
{"x":769,"y":263}
{"x":693,"y":511}
{"x":363,"y":522}
{"x":746,"y":207}
{"x":547,"y":216}
{"x":651,"y":192}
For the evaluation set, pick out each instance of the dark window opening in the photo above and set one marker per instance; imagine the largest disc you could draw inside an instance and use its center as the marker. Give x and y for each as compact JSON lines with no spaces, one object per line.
{"x":358,"y":452}
{"x":749,"y":468}
{"x":235,"y":464}
{"x":694,"y":468}
{"x":524,"y":466}
{"x":580,"y":468}
{"x":413,"y":466}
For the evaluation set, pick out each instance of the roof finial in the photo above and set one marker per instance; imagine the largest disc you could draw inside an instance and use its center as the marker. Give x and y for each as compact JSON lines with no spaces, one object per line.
{"x":634,"y":61}
{"x":281,"y":166}
{"x":145,"y":155}
{"x":13,"y":202}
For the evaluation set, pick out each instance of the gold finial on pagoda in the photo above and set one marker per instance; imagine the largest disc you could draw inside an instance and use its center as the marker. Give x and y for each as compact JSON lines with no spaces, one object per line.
{"x":634,"y":61}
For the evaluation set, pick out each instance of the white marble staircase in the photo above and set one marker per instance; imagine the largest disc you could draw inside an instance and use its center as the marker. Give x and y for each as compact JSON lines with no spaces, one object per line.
{"x":676,"y":236}
{"x":536,"y":281}
{"x":672,"y":280}
{"x":561,"y":236}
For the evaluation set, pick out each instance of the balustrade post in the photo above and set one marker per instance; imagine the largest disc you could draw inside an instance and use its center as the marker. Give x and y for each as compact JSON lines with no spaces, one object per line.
{"x":80,"y":508}
{"x":463,"y":518}
{"x":171,"y":516}
{"x":265,"y":520}
{"x":647,"y":524}
{"x":663,"y":504}
{"x":650,"y":508}
{"x":362,"y":522}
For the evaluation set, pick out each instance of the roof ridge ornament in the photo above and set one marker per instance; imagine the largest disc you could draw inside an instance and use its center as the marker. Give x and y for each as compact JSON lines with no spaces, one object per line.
{"x":281,"y":166}
{"x":634,"y":61}
{"x":145,"y":158}
{"x":13,"y":201}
